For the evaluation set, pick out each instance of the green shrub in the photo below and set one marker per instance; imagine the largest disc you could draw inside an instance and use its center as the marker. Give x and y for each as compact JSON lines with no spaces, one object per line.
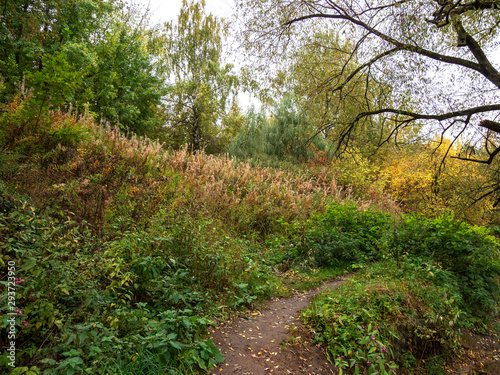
{"x":51,"y":135}
{"x":381,"y":318}
{"x":467,"y":251}
{"x":97,"y":298}
{"x":435,"y":274}
{"x":343,"y":235}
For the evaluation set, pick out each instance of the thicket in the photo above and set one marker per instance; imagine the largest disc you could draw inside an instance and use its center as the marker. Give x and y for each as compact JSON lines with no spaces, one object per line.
{"x":126,"y":253}
{"x":123,"y":247}
{"x":110,"y":266}
{"x":123,"y":250}
{"x":428,"y":279}
{"x":422,"y":179}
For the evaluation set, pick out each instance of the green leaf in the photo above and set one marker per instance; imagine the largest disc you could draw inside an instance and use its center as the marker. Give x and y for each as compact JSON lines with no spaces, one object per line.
{"x":49,"y":361}
{"x":177,"y":345}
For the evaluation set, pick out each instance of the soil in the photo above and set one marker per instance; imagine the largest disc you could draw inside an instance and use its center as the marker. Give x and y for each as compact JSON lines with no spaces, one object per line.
{"x":272,"y":341}
{"x":481,"y":357}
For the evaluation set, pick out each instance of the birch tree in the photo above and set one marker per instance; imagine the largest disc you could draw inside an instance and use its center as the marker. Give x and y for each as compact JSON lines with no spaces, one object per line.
{"x":202,"y":83}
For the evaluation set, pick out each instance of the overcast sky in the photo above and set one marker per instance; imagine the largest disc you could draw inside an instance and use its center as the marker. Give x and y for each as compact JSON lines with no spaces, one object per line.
{"x":166,"y":10}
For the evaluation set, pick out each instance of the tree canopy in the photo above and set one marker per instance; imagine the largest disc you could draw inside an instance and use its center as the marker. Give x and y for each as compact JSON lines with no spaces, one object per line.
{"x":111,"y":45}
{"x":425,"y":49}
{"x":202,"y":82}
{"x":438,"y":56}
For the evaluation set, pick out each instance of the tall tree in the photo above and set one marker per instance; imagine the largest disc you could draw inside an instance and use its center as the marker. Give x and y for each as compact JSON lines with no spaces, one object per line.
{"x":29,"y":29}
{"x":202,"y":83}
{"x":111,"y":44}
{"x":127,"y":79}
{"x":438,"y":55}
{"x":312,"y":73}
{"x":279,"y":135}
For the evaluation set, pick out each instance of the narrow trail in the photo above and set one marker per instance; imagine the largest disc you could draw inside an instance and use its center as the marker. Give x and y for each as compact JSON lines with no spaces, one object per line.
{"x":254,"y":345}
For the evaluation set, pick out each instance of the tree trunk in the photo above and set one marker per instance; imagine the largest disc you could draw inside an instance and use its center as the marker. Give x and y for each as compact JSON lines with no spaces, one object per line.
{"x":196,"y":132}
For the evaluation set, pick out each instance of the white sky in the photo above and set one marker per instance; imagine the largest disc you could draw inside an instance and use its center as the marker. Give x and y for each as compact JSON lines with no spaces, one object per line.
{"x":167,"y":10}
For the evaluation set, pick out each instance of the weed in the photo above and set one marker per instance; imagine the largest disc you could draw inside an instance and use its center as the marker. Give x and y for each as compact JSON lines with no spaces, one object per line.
{"x":386,"y":317}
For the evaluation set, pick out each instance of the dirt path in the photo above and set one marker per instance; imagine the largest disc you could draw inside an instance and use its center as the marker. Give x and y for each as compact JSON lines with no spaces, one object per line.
{"x":259,"y":345}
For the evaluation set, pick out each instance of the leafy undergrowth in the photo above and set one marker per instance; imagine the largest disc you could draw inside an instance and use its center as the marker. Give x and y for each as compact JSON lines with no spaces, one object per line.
{"x":428,"y":280}
{"x":81,"y":300}
{"x":122,"y":253}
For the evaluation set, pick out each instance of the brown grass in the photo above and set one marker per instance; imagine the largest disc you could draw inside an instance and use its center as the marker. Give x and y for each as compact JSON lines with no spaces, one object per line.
{"x":243,"y":196}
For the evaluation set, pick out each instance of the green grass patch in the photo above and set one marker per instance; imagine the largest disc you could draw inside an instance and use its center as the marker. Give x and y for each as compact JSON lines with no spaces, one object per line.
{"x":306,"y":279}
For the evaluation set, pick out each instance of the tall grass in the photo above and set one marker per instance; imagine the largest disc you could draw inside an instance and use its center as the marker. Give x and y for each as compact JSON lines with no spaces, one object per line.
{"x":126,"y":246}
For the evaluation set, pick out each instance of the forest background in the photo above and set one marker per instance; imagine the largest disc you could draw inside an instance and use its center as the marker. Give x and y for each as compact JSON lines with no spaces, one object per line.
{"x":173,"y":82}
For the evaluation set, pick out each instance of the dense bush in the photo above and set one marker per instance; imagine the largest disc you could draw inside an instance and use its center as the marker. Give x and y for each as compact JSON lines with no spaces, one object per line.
{"x":345,"y":227}
{"x":341,"y":236}
{"x":422,"y":179}
{"x":93,"y":304}
{"x":435,"y":274}
{"x":468,"y":252}
{"x":384,"y":318}
{"x":345,"y":235}
{"x":26,"y":131}
{"x":136,"y":289}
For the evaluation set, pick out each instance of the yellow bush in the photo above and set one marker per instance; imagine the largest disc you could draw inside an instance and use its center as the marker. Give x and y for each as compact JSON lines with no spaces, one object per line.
{"x":425,"y":181}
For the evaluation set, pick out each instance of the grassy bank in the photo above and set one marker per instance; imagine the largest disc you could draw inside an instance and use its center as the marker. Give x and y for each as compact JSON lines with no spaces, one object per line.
{"x":125,"y":253}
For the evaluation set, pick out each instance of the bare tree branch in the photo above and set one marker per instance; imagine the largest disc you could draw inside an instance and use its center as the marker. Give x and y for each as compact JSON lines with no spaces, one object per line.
{"x":488,"y":161}
{"x":489,"y":72}
{"x":437,"y":117}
